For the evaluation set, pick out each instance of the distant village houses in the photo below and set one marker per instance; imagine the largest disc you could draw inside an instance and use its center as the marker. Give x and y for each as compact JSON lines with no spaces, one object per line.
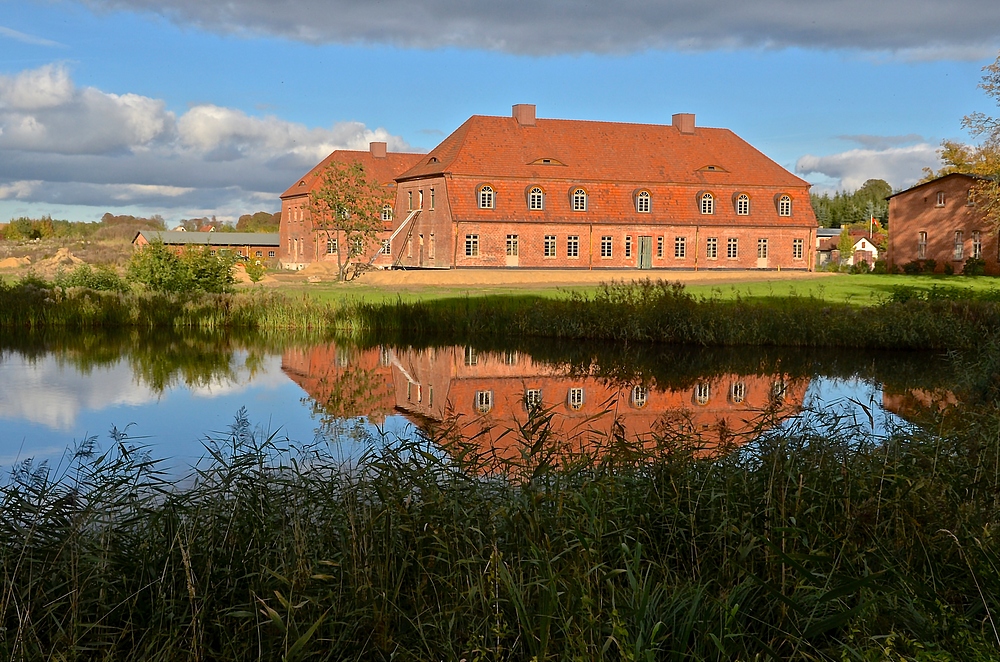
{"x":249,"y":245}
{"x":523,"y":191}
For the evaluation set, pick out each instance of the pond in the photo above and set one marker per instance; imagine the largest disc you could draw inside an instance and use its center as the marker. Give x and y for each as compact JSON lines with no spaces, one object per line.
{"x":171,"y":394}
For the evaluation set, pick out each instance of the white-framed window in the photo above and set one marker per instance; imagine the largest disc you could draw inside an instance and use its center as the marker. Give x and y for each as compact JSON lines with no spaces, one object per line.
{"x":712,"y":248}
{"x":510,"y":358}
{"x":420,"y":199}
{"x":640,"y":396}
{"x":737,"y":392}
{"x":959,"y":245}
{"x":409,"y":200}
{"x":432,"y":199}
{"x":606,"y":246}
{"x":472,"y":245}
{"x":940,"y":199}
{"x":532,"y":398}
{"x":797,"y":248}
{"x":702,"y":393}
{"x":512,"y":245}
{"x":921,"y":245}
{"x":707,"y":204}
{"x":384,"y":356}
{"x":387,"y":213}
{"x":471,"y":356}
{"x":331,"y":246}
{"x":258,"y":254}
{"x":659,"y":247}
{"x":579,"y":200}
{"x":575,"y":397}
{"x":785,"y":206}
{"x":550,"y":246}
{"x":628,"y":246}
{"x":536,"y":199}
{"x":762,"y":249}
{"x":270,"y":253}
{"x":573,"y":246}
{"x":486,"y":198}
{"x":732,"y":248}
{"x":386,"y":247}
{"x":743,"y":205}
{"x":778,"y":390}
{"x":977,"y":245}
{"x":642,"y":202}
{"x":484,"y":401}
{"x":680,"y":247}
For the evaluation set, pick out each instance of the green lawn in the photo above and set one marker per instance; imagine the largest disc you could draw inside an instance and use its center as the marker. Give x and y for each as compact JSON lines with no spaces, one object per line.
{"x":859,"y":290}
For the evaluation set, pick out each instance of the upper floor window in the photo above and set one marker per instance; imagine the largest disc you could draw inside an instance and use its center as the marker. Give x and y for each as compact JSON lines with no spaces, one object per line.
{"x":486,"y":198}
{"x":387,"y":213}
{"x":702,"y":393}
{"x":642,"y":202}
{"x":940,"y":199}
{"x":579,"y":200}
{"x":785,"y":206}
{"x":484,"y":401}
{"x":640,"y":396}
{"x":970,"y":198}
{"x":409,"y":200}
{"x":536,"y":199}
{"x":743,"y":205}
{"x":576,"y":397}
{"x":707,"y":204}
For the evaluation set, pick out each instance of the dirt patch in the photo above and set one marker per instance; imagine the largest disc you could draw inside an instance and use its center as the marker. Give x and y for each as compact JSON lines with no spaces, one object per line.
{"x":15,"y":262}
{"x":63,"y":260}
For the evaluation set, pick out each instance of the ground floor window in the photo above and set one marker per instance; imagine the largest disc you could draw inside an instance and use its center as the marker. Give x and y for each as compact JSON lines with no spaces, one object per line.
{"x":533,"y":398}
{"x":732,"y":248}
{"x":702,"y":393}
{"x":270,"y":253}
{"x":737,"y":392}
{"x":472,"y":245}
{"x":797,"y":249}
{"x":576,"y":397}
{"x":659,"y":247}
{"x":712,"y":248}
{"x":430,"y":248}
{"x":386,"y":247}
{"x":640,"y":396}
{"x":605,"y":246}
{"x":484,"y":401}
{"x":512,"y":245}
{"x":921,"y":245}
{"x":259,"y":254}
{"x":680,"y":247}
{"x":977,"y":246}
{"x":628,"y":246}
{"x":762,"y":249}
{"x":550,"y":245}
{"x":959,"y":250}
{"x":573,"y":246}
{"x":331,"y":246}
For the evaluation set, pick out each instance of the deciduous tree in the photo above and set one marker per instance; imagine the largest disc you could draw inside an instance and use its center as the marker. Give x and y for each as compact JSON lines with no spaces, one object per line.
{"x":347,"y":209}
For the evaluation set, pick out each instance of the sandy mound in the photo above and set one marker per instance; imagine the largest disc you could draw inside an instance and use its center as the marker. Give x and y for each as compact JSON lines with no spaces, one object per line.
{"x":63,"y":260}
{"x":14,"y":262}
{"x":240,"y":275}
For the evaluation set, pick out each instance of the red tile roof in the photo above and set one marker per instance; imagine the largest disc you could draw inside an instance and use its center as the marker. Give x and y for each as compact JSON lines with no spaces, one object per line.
{"x":385,"y":170}
{"x":499,"y":147}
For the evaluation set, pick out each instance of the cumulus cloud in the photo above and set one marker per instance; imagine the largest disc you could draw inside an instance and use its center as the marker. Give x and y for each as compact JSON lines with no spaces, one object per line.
{"x":900,"y":166}
{"x":70,"y":145}
{"x":911,"y":27}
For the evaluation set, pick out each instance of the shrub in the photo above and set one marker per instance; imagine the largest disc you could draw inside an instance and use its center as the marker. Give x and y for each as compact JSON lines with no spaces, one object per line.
{"x":930,"y":266}
{"x":913,"y":268}
{"x":974,"y":266}
{"x":255,"y":270}
{"x":880,"y":267}
{"x":948,"y":269}
{"x":159,"y":269}
{"x":102,"y":278}
{"x":860,"y":267}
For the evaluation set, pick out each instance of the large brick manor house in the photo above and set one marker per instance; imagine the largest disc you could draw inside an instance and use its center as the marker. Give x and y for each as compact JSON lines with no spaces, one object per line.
{"x":522,"y":191}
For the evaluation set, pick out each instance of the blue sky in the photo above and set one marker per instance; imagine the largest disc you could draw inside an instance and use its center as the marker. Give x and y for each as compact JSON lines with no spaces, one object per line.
{"x":187,"y":108}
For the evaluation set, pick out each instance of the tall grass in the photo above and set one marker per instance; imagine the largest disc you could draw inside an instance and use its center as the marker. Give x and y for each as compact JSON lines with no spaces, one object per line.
{"x":811,"y":544}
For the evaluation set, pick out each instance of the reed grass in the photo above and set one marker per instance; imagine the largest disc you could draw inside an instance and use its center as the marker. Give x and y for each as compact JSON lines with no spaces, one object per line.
{"x":816,"y":543}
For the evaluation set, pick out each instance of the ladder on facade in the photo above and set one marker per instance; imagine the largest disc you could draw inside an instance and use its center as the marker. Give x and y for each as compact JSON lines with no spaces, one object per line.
{"x":406,"y":222}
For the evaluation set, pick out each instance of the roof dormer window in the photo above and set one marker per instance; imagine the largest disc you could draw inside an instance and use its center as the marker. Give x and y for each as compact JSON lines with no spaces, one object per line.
{"x":547,"y":161}
{"x":486,"y":197}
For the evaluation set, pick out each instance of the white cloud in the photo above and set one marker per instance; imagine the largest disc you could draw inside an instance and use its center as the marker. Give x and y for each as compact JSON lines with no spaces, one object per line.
{"x":65,"y":145}
{"x":911,"y":29}
{"x":28,"y":38}
{"x":900,"y":166}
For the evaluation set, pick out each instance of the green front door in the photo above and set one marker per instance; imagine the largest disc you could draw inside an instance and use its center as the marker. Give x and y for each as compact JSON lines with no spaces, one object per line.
{"x":645,"y":252}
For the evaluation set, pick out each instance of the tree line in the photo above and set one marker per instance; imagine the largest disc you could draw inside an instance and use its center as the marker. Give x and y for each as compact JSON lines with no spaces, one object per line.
{"x":854,"y":208}
{"x":125,"y":226}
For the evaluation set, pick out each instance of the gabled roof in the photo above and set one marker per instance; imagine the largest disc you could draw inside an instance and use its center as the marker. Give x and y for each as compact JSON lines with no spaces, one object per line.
{"x":582,"y":150}
{"x":938,"y":180}
{"x":383,"y":169}
{"x":176,"y":238}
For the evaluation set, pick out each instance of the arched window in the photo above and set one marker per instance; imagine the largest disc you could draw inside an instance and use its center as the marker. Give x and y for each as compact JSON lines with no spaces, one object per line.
{"x":707,"y":204}
{"x":743,"y":205}
{"x":784,"y":206}
{"x":387,"y":213}
{"x":486,"y":197}
{"x":702,"y":393}
{"x":642,"y":202}
{"x":579,"y":200}
{"x":640,"y":396}
{"x":536,"y":199}
{"x":737,"y":392}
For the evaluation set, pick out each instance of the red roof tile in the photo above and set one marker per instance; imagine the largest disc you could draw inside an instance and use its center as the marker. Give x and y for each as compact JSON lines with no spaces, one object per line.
{"x":385,"y":170}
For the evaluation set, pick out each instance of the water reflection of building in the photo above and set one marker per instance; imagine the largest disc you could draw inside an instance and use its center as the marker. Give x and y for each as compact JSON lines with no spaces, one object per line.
{"x":488,"y":394}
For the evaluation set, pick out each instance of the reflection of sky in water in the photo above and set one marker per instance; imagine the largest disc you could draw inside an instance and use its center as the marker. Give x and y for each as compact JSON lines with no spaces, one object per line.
{"x":47,"y":405}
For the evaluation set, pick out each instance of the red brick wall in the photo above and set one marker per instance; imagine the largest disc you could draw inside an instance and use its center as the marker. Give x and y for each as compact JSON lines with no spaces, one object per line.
{"x":917,"y":210}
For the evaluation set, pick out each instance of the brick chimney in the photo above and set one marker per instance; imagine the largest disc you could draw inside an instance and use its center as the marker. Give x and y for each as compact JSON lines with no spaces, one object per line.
{"x":524,"y":113}
{"x":684,"y":122}
{"x":377,"y":150}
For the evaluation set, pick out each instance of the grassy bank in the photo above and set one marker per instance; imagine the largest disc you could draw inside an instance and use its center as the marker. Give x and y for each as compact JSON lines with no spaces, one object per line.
{"x":808,"y":545}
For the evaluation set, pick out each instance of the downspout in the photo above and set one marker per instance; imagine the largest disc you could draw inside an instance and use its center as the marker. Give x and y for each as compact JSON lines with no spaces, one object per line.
{"x":591,"y":266}
{"x":696,"y":244}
